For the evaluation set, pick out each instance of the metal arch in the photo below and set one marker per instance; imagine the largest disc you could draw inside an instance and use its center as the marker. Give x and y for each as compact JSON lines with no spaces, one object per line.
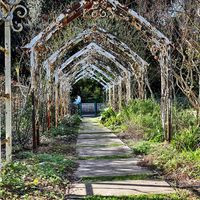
{"x":92,"y":48}
{"x":92,"y":73}
{"x":90,"y":66}
{"x":86,"y":73}
{"x":85,"y":69}
{"x":82,"y":7}
{"x":88,"y":60}
{"x":92,"y":77}
{"x":89,"y":32}
{"x":75,"y":75}
{"x":160,"y":44}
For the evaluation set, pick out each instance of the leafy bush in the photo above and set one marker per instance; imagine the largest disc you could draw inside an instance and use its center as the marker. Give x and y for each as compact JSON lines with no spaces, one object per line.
{"x":111,"y":119}
{"x":187,"y":139}
{"x":71,"y":121}
{"x":106,"y":114}
{"x":143,"y":147}
{"x":143,"y":113}
{"x":68,"y":126}
{"x":172,"y":161}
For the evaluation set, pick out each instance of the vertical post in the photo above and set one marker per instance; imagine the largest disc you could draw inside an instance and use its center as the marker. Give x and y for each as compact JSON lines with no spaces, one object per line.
{"x":65,"y":102}
{"x":166,"y":92}
{"x":34,"y":120}
{"x":48,"y":107}
{"x":120,"y":94}
{"x":114,"y":97}
{"x":37,"y":133}
{"x":68,"y":102}
{"x":56,"y":100}
{"x":8,"y":115}
{"x":110,"y":96}
{"x":128,"y":87}
{"x":61,"y":102}
{"x":142,"y":85}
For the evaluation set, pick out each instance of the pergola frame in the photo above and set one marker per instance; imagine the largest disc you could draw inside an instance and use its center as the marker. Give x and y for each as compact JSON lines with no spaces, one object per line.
{"x":93,"y":48}
{"x":95,"y":68}
{"x":160,"y":45}
{"x":90,"y":34}
{"x":91,"y":60}
{"x":94,"y":33}
{"x":90,"y":76}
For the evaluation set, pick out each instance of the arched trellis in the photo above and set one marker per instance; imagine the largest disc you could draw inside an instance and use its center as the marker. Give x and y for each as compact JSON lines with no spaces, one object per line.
{"x":94,"y":68}
{"x":92,"y":60}
{"x":99,"y":34}
{"x":89,"y":75}
{"x":159,"y":44}
{"x":76,"y":64}
{"x":93,"y":48}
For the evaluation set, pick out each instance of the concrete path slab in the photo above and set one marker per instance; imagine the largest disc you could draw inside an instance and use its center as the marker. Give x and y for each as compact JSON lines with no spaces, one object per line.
{"x":117,"y":167}
{"x":95,"y":141}
{"x":121,"y":188}
{"x":99,"y":141}
{"x":97,"y":135}
{"x":96,"y":151}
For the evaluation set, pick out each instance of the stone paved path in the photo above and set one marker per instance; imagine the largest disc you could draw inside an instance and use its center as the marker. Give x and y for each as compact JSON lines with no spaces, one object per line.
{"x":102,"y":154}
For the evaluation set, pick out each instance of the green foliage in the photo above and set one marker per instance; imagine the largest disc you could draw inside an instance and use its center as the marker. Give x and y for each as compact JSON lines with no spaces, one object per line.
{"x":187,"y":139}
{"x":34,"y":172}
{"x":110,"y":119}
{"x":68,"y":126}
{"x":172,"y":161}
{"x":183,"y":118}
{"x":145,"y":114}
{"x":142,"y":147}
{"x":89,"y":90}
{"x":139,"y":197}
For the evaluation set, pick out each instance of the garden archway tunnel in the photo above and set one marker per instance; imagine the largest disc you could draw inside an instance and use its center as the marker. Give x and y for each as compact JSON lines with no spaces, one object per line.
{"x":108,"y":54}
{"x":160,"y":46}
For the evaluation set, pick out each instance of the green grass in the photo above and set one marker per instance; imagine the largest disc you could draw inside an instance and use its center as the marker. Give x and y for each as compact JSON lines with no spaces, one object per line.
{"x":121,"y":178}
{"x":138,"y":197}
{"x":33,"y":173}
{"x":105,"y":157}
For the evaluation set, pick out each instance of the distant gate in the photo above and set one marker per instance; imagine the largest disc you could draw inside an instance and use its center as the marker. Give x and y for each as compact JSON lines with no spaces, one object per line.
{"x":91,"y":108}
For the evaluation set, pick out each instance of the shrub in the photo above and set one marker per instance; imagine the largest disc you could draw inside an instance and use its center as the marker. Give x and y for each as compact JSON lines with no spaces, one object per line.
{"x":187,"y":139}
{"x":174,"y":162}
{"x":106,"y":114}
{"x":143,"y":147}
{"x":68,"y":126}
